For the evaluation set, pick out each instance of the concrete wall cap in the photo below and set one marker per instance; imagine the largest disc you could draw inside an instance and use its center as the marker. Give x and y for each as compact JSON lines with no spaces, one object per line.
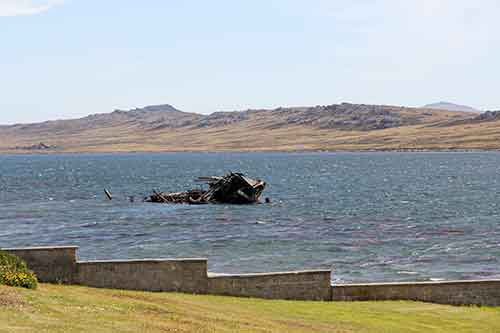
{"x":130,"y":261}
{"x":38,"y":248}
{"x":247,"y":275}
{"x":382,"y":284}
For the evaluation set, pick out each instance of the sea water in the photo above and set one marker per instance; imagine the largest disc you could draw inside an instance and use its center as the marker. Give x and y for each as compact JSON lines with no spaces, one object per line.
{"x":367,"y":216}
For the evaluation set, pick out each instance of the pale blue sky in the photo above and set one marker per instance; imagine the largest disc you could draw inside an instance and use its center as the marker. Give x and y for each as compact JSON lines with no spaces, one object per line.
{"x":70,"y":58}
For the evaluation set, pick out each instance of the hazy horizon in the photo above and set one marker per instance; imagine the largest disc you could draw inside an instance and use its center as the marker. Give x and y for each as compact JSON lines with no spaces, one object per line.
{"x":64,"y":59}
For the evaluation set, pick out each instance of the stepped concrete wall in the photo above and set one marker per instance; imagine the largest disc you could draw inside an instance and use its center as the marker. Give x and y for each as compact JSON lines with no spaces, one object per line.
{"x":60,"y":265}
{"x":475,"y":292}
{"x":300,"y":285}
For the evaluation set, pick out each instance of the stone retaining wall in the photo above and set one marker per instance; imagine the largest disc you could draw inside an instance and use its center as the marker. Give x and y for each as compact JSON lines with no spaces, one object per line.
{"x":479,"y":292}
{"x":59,"y":265}
{"x":183,"y":275}
{"x":55,"y":264}
{"x":301,"y":285}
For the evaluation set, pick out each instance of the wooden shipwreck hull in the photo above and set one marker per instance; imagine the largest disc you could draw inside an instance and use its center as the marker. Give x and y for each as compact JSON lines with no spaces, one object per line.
{"x":233,"y":188}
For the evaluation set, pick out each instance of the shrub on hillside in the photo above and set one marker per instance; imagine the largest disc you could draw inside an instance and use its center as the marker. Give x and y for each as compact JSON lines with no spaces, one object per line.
{"x":15,"y":273}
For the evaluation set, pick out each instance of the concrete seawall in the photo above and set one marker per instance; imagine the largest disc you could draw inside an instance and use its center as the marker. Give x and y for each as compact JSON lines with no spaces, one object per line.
{"x":300,"y":285}
{"x":183,"y":275}
{"x":54,"y":264}
{"x":60,"y":265}
{"x":472,"y":292}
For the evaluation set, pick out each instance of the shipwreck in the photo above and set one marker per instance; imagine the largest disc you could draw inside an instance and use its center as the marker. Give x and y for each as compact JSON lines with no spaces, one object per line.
{"x":232,"y":188}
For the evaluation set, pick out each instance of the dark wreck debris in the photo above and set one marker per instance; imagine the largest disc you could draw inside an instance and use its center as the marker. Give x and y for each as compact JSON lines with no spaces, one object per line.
{"x":233,"y":188}
{"x":38,"y":146}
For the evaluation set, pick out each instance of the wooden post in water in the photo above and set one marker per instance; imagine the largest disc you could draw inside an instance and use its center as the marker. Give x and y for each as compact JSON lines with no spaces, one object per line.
{"x":108,"y":194}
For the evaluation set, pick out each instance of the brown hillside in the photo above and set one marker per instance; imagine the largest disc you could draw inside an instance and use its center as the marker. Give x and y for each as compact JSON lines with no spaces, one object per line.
{"x":333,"y":127}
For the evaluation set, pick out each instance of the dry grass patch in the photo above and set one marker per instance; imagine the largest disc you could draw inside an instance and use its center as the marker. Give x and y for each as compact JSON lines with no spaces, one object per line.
{"x":11,"y":298}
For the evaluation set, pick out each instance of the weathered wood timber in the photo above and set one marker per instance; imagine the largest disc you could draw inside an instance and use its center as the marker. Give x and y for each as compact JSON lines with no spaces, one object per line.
{"x":233,"y":188}
{"x":108,"y":194}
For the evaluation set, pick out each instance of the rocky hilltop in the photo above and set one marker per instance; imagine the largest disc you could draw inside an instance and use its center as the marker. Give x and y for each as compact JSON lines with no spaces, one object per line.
{"x":337,"y":126}
{"x":147,"y":117}
{"x":343,"y":116}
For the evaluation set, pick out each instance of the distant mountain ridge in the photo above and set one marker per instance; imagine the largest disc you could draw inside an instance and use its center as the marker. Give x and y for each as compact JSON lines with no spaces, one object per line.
{"x":450,"y":107}
{"x":148,"y":117}
{"x":344,"y":116}
{"x":166,"y":128}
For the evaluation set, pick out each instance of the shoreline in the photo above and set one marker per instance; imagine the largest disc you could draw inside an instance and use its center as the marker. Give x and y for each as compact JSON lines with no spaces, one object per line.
{"x":251,"y":151}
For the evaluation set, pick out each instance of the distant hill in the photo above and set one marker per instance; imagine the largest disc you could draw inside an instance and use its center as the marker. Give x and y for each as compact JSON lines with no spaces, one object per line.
{"x":451,"y":107}
{"x":344,"y":126}
{"x":485,"y":117}
{"x":345,"y":116}
{"x":148,"y":117}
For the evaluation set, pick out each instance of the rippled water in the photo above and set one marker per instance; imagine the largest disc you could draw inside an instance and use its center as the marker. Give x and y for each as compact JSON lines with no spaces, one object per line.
{"x":372,"y":216}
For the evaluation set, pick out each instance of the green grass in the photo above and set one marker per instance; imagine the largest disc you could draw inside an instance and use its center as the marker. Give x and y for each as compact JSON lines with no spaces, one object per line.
{"x":54,"y":308}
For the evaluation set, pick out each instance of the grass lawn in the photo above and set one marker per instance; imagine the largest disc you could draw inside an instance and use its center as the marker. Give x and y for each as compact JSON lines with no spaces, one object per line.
{"x":54,"y":308}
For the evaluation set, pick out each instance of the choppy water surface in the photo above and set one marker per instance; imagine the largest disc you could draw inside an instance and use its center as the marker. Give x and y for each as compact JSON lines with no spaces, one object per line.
{"x":372,"y":216}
